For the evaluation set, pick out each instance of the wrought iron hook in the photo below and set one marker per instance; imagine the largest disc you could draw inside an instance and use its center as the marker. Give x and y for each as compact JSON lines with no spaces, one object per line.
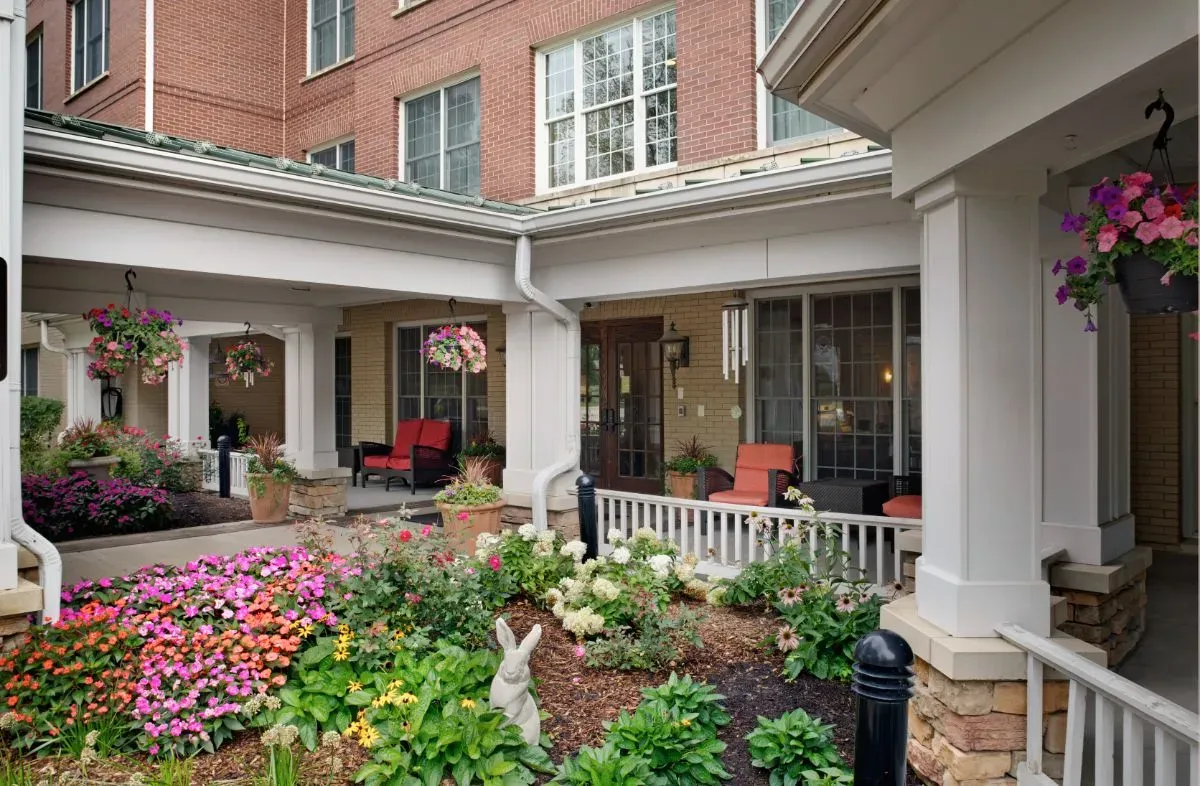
{"x":452,"y":304}
{"x":130,"y":273}
{"x":247,"y":328}
{"x":1161,"y":139}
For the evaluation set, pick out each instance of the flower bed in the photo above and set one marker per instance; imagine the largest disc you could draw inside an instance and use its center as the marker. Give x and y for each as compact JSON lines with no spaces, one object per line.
{"x":78,"y":506}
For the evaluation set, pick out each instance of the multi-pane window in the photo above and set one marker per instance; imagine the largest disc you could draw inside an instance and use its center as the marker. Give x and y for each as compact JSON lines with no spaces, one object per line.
{"x":89,"y":25}
{"x":29,"y":371}
{"x":341,"y":391}
{"x":331,"y":37}
{"x":786,"y":121}
{"x":609,"y":102}
{"x":33,"y":72}
{"x":441,"y":138}
{"x":832,"y":356}
{"x":339,"y":156}
{"x":424,"y":391}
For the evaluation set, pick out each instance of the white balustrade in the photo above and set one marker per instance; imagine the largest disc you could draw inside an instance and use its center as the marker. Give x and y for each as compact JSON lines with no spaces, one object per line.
{"x":238,"y":465}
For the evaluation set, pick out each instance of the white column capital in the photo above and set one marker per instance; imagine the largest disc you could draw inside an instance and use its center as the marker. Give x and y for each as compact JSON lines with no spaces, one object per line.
{"x":980,"y":182}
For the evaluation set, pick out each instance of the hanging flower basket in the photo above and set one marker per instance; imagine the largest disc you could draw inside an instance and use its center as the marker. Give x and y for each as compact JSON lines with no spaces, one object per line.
{"x":454,"y":347}
{"x":245,"y":360}
{"x":124,"y":337}
{"x":1140,"y":236}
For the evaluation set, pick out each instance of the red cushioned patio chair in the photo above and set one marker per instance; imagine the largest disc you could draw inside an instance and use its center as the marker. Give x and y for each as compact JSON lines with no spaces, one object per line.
{"x":761,"y":476}
{"x":420,"y":453}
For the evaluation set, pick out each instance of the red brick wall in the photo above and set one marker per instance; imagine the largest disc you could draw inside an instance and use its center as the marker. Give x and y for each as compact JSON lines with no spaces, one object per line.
{"x":116,"y":98}
{"x":1156,"y":427}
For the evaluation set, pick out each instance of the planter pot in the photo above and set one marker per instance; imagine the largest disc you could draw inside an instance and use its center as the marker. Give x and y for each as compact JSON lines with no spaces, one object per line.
{"x":99,"y":468}
{"x":1140,"y":281}
{"x":462,"y":531}
{"x":682,"y":484}
{"x":271,"y":507}
{"x":493,"y":468}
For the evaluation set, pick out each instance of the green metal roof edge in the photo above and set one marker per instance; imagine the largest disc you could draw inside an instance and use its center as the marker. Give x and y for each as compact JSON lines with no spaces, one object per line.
{"x":160,"y":141}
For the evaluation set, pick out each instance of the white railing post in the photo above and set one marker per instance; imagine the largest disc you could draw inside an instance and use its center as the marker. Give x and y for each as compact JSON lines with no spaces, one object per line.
{"x":1033,"y":716}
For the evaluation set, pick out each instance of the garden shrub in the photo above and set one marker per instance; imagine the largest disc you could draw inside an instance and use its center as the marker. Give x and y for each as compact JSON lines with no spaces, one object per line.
{"x":797,"y":749}
{"x":533,"y":562}
{"x":78,"y":506}
{"x":698,"y":698}
{"x":40,"y":417}
{"x":603,"y":766}
{"x":146,"y":460}
{"x":679,"y":750}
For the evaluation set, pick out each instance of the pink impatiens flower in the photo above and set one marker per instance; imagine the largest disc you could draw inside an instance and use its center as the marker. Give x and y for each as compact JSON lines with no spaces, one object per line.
{"x":1153,"y":208}
{"x":580,"y":651}
{"x":1107,"y":237}
{"x":1147,"y":232}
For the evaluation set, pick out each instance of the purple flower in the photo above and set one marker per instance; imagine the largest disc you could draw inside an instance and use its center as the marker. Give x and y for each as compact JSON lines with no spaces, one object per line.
{"x":1061,"y":294}
{"x":1073,"y":222}
{"x":1115,"y":211}
{"x":1090,"y":327}
{"x":1058,"y":267}
{"x":1076,"y":266}
{"x":1108,"y":194}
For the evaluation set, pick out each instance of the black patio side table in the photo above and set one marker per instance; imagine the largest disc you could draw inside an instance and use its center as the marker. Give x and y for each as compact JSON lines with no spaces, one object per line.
{"x":848,"y":495}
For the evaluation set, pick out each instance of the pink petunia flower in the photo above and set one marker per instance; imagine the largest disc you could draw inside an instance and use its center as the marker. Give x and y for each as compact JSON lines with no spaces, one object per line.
{"x":1131,"y":219}
{"x":1153,"y":208}
{"x":1107,"y":237}
{"x":1166,"y":279}
{"x":1147,"y":232}
{"x":1137,"y":179}
{"x":1192,"y":239}
{"x":1170,"y":228}
{"x":1131,"y":193}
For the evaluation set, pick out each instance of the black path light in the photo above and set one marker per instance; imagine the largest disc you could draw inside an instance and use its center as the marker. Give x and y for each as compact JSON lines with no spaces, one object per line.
{"x":883,"y":680}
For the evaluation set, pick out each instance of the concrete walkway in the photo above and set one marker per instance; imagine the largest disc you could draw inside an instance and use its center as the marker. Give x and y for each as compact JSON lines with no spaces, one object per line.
{"x":137,"y":551}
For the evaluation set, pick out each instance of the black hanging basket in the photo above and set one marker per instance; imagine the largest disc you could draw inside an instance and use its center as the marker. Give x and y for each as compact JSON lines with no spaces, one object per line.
{"x":1140,"y":280}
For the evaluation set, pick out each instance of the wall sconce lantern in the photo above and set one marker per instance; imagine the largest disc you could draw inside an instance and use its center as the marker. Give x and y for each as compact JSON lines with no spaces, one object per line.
{"x":500,"y":350}
{"x":675,"y":350}
{"x":112,"y":402}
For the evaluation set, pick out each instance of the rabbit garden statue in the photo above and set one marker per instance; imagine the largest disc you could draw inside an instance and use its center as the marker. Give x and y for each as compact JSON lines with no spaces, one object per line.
{"x":510,"y":687}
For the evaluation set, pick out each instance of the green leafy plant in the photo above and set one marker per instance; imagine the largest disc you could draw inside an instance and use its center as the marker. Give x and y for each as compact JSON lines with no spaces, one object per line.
{"x":822,"y":624}
{"x":282,"y":766}
{"x":174,"y":771}
{"x":469,"y":487}
{"x":691,"y":456}
{"x":85,"y":439}
{"x":483,"y":445}
{"x":604,"y":766}
{"x":680,"y":751}
{"x":15,"y":773}
{"x":531,"y":562}
{"x":266,"y":460}
{"x":797,"y":748}
{"x":697,"y":698}
{"x":40,"y":417}
{"x":657,"y":641}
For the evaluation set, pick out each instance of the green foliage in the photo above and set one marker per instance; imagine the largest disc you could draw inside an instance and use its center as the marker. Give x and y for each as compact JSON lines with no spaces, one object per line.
{"x":655,"y":642}
{"x":690,"y":457}
{"x":827,"y":619}
{"x":470,"y":486}
{"x":266,"y":460}
{"x":788,"y":566}
{"x":482,"y":446}
{"x":680,"y":751}
{"x":530,"y":565}
{"x":603,"y":766}
{"x":15,"y":773}
{"x":173,"y":772}
{"x":39,"y":420}
{"x":698,"y":698}
{"x":797,"y":749}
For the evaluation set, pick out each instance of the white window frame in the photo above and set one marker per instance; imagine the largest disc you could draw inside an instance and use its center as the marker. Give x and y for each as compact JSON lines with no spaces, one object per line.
{"x":639,"y":96}
{"x":36,"y":39}
{"x":341,"y":57}
{"x":335,"y":145}
{"x":900,"y":433}
{"x":438,"y":87}
{"x":423,"y":324}
{"x":764,"y":96}
{"x":76,"y":27}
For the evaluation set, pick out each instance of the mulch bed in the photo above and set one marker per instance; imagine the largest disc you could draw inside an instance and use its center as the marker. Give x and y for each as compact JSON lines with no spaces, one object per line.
{"x":196,"y":508}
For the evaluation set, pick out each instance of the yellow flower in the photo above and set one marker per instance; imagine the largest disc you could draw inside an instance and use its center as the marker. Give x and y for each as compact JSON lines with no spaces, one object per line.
{"x":399,"y":635}
{"x":395,"y":685}
{"x":306,"y":631}
{"x":368,"y":735}
{"x":379,"y":701}
{"x":407,"y":698}
{"x":467,"y":704}
{"x":685,"y":722}
{"x":341,"y":655}
{"x":344,"y":629}
{"x":354,"y":686}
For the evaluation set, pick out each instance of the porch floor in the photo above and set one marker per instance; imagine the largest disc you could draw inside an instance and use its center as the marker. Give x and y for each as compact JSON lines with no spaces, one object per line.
{"x":373,"y":498}
{"x":1165,"y":661}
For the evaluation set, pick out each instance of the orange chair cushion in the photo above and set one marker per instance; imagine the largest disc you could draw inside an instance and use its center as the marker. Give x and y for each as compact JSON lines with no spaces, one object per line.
{"x":753,"y":462}
{"x":905,"y":507}
{"x":435,"y":434}
{"x":399,"y":463}
{"x":408,"y":433}
{"x":739,"y":497}
{"x":377,"y":462}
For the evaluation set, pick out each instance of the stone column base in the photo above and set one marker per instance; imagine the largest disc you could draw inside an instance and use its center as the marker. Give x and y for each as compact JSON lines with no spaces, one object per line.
{"x":320,"y":493}
{"x":564,"y":521}
{"x":1106,"y":604}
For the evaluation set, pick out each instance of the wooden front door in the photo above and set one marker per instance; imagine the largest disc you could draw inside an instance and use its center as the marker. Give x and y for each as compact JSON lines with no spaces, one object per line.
{"x":621,"y":405}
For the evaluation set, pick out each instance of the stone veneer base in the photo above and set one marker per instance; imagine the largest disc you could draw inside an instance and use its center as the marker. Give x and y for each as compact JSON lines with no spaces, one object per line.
{"x":564,"y":521}
{"x":320,"y":493}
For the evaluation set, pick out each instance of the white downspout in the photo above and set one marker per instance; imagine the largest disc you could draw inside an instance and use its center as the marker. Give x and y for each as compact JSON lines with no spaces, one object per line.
{"x":149,"y":78}
{"x":11,"y":204}
{"x":45,"y":326}
{"x":570,"y":320}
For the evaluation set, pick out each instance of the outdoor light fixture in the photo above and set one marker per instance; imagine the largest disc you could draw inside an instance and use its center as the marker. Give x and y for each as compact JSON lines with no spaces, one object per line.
{"x":887,"y":375}
{"x":735,"y":336}
{"x":500,"y":350}
{"x":675,"y":350}
{"x":111,"y":402}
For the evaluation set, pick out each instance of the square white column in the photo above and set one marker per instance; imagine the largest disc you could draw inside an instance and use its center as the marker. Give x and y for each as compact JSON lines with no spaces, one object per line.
{"x":980,"y":302}
{"x":83,"y":394}
{"x":187,"y":393}
{"x":308,"y":395}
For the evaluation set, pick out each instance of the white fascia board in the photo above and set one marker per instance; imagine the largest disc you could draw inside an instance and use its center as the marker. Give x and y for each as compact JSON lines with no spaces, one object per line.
{"x":809,"y":38}
{"x":71,"y":151}
{"x":844,"y":174}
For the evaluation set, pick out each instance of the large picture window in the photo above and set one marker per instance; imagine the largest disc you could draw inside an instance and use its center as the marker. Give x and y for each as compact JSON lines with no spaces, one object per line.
{"x":441,"y":138}
{"x":608,"y":102}
{"x":89,"y":26}
{"x":828,"y":382}
{"x":33,"y":72}
{"x":423,"y":391}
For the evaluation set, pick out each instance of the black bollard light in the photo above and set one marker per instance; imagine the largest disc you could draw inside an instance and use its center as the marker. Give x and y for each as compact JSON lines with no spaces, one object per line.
{"x":589,"y":526}
{"x":883,"y":680}
{"x":223,"y":470}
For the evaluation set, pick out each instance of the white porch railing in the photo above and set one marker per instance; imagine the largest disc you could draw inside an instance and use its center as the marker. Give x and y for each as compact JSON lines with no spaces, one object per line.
{"x":238,"y":464}
{"x":1147,"y":722}
{"x":720,"y":537}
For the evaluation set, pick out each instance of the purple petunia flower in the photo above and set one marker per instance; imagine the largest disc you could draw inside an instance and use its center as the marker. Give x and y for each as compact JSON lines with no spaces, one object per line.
{"x":1073,"y":222}
{"x":1109,"y":195}
{"x":1090,"y":327}
{"x":1058,"y":267}
{"x":1076,"y":266}
{"x":1061,"y":294}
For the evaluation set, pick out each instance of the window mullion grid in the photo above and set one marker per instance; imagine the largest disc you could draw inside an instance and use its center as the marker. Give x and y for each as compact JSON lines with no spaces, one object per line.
{"x":443,"y":137}
{"x":580,"y":117}
{"x":899,"y":430}
{"x":639,"y":101}
{"x":806,"y":385}
{"x":423,"y":367}
{"x":104,"y":40}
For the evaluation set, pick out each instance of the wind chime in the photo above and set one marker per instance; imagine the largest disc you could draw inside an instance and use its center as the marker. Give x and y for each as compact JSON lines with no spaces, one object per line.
{"x":735,"y":336}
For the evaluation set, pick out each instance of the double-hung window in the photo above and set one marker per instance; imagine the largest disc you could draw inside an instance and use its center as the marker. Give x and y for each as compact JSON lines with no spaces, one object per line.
{"x":338,"y":156}
{"x":331,"y":38}
{"x":441,"y":138}
{"x":608,"y":102}
{"x":89,"y":26}
{"x":33,"y":72}
{"x":29,"y":371}
{"x":785,"y":120}
{"x":425,"y":391}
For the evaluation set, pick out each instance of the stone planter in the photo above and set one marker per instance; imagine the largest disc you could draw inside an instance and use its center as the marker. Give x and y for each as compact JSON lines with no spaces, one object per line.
{"x":461,"y":531}
{"x":99,"y":468}
{"x":1140,"y":279}
{"x":271,"y":506}
{"x":682,"y":484}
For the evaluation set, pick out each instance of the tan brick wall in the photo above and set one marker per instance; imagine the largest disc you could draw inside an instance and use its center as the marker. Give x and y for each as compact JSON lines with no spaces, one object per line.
{"x":1155,"y":426}
{"x":263,"y":404}
{"x":52,"y":367}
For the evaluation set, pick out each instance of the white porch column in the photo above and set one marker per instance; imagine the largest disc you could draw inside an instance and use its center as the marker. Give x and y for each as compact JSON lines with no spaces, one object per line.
{"x":187,"y":393}
{"x":83,"y":394}
{"x":980,"y":281}
{"x":308,"y":395}
{"x":535,"y":404}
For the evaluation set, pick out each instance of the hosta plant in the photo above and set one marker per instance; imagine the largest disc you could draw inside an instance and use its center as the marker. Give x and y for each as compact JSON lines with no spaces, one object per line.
{"x":697,"y":698}
{"x":680,"y":751}
{"x":797,"y":749}
{"x":603,"y":766}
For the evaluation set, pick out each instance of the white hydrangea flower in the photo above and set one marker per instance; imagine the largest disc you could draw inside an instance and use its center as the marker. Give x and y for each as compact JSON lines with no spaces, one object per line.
{"x":583,"y":622}
{"x":661,"y":564}
{"x":691,"y":559}
{"x":572,"y":590}
{"x":527,"y":532}
{"x":486,"y":544}
{"x":697,"y":589}
{"x":559,"y":610}
{"x":615,"y":535}
{"x":605,"y":590}
{"x":546,"y":536}
{"x":554,"y":596}
{"x":575,"y":550}
{"x":543,"y":548}
{"x":620,"y":555}
{"x":716,"y":595}
{"x":645,"y":533}
{"x":684,"y":572}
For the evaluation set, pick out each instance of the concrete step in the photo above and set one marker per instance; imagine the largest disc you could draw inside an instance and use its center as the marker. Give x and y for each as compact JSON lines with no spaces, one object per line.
{"x":25,"y":598}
